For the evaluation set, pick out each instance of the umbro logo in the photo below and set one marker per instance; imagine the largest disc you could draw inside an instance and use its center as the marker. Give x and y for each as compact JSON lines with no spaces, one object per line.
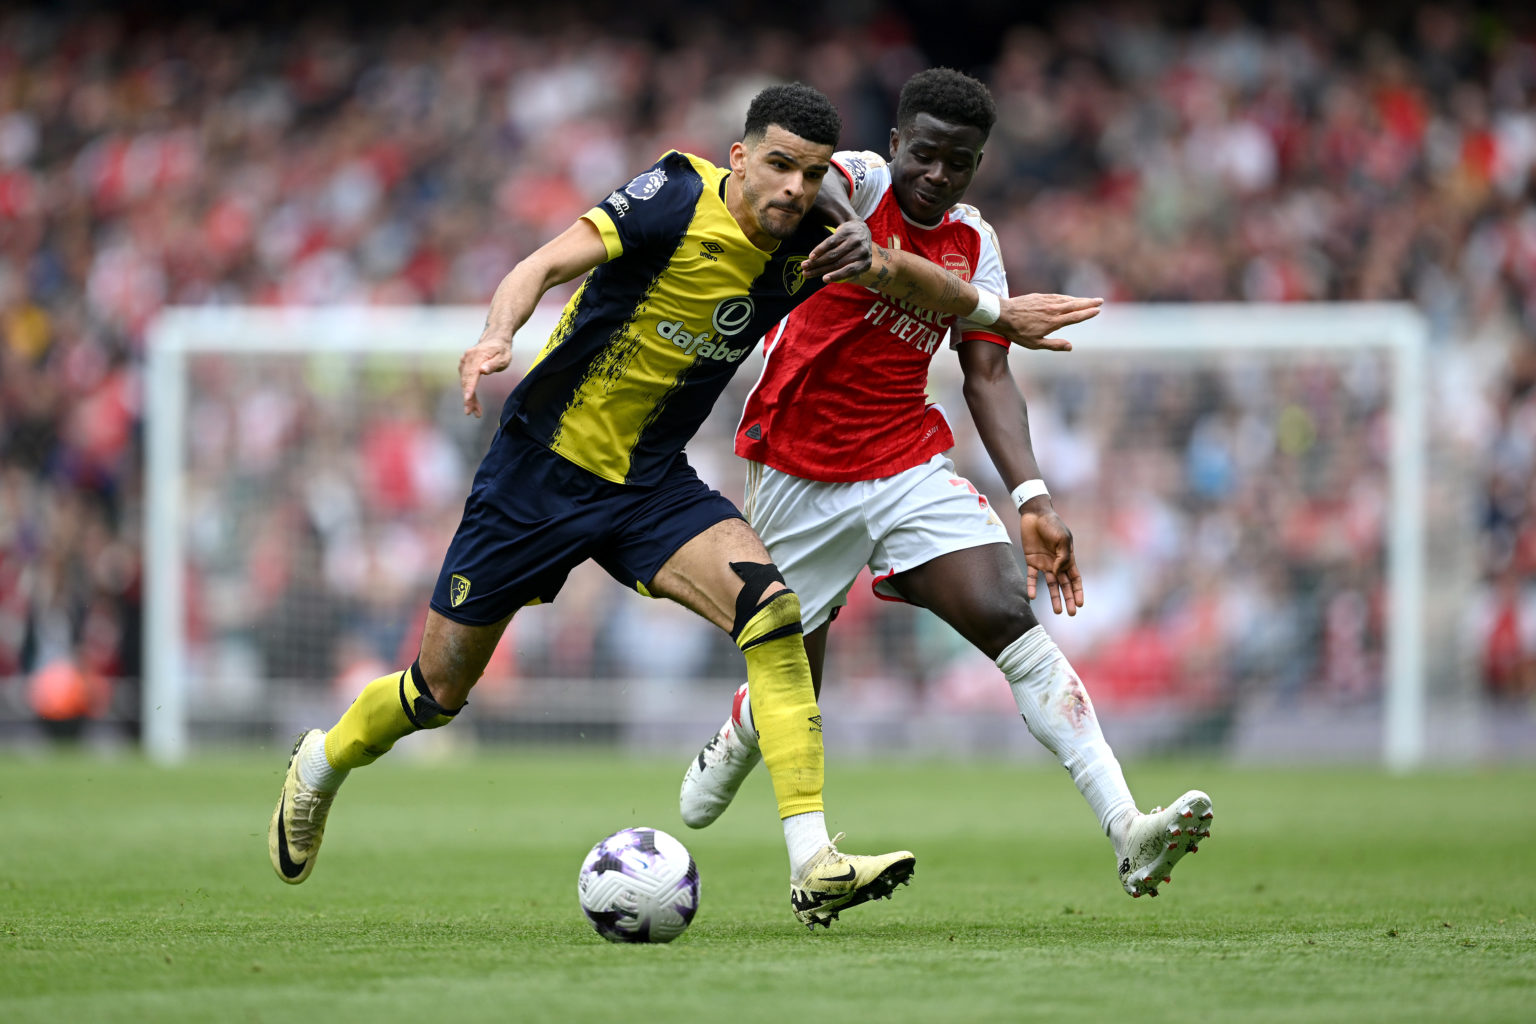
{"x":815,"y":721}
{"x":711,"y":251}
{"x":755,"y":431}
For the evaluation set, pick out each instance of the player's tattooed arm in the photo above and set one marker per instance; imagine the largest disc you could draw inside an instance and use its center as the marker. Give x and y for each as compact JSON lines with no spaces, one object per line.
{"x":949,"y":292}
{"x":1023,"y":319}
{"x":913,"y":279}
{"x":881,"y":262}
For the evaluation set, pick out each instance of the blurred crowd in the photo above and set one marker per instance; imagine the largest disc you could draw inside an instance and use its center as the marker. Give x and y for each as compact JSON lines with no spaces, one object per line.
{"x":1316,"y":152}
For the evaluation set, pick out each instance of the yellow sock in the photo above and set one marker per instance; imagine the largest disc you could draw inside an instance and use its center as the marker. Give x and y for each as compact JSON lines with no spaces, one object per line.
{"x":390,"y":707}
{"x":784,"y":703}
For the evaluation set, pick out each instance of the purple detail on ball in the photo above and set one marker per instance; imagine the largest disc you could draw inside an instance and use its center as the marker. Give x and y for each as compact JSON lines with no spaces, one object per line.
{"x":607,"y":924}
{"x":644,"y":839}
{"x":688,"y":887}
{"x":620,"y":852}
{"x":663,"y":898}
{"x":608,"y":861}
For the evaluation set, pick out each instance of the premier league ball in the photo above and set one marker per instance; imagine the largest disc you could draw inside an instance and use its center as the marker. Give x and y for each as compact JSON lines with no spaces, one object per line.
{"x":639,"y":885}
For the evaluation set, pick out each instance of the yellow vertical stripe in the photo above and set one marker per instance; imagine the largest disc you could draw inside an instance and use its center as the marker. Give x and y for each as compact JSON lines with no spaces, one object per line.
{"x":562,"y":329}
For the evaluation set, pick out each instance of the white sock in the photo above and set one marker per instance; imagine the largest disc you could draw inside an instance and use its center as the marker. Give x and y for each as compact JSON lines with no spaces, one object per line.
{"x":805,"y":835}
{"x":315,"y":769}
{"x":1059,"y":713}
{"x":741,"y":711}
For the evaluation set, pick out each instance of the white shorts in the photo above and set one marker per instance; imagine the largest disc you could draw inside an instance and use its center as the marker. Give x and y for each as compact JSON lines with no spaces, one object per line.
{"x":821,"y":534}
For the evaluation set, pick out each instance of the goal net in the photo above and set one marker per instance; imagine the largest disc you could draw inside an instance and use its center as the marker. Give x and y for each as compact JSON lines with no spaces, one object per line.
{"x":1244,"y":483}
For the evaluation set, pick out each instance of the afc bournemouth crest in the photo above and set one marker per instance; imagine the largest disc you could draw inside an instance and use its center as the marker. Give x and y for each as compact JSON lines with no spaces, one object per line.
{"x":458,"y":589}
{"x":794,"y":277}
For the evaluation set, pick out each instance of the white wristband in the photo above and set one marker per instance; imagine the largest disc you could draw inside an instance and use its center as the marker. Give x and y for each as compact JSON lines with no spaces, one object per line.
{"x":1027,"y":490}
{"x":989,"y":306}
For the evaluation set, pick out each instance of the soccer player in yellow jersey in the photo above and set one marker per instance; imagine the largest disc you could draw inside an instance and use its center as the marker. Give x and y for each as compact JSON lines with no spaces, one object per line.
{"x":686,"y":267}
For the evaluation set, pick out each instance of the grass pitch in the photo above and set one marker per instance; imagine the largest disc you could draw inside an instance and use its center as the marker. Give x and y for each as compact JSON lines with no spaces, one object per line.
{"x":447,"y":893}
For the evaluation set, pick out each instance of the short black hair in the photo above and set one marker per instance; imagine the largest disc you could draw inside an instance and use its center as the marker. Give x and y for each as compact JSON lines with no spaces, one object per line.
{"x":797,"y":108}
{"x":953,"y":97}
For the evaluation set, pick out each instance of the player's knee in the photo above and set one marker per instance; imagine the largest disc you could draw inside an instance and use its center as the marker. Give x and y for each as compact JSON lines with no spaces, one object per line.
{"x":776,"y":611}
{"x":761,"y":618}
{"x":756,"y":578}
{"x":421,"y":707}
{"x":1000,"y":627}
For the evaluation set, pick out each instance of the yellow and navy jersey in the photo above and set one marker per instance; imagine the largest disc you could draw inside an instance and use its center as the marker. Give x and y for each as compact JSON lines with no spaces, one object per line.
{"x":649,"y":340}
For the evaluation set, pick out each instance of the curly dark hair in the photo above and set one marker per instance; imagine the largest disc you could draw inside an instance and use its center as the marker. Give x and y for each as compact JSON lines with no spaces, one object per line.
{"x":796,"y":108}
{"x":949,"y":95}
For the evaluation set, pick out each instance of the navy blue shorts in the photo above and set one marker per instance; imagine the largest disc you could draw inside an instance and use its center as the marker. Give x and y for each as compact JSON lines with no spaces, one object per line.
{"x":532,"y":516}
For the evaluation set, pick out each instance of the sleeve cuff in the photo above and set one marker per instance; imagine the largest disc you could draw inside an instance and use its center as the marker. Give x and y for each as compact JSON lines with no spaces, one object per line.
{"x":601,"y":220}
{"x":980,"y":334}
{"x":846,"y":176}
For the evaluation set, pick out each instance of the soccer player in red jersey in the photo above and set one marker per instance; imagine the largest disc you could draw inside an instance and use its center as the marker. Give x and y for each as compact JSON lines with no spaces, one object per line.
{"x":847,"y":468}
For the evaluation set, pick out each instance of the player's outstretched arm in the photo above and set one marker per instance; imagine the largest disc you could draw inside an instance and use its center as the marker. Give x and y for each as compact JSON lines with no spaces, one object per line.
{"x":913,"y":279}
{"x":1026,"y":320}
{"x":570,"y":254}
{"x":1002,"y":420}
{"x":850,"y":255}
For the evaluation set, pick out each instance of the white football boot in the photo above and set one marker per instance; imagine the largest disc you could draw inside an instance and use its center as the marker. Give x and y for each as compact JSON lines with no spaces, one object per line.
{"x":714,"y":776}
{"x":1155,"y":842}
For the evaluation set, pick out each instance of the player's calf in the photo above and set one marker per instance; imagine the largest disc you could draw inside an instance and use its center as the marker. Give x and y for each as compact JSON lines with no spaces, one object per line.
{"x":787,"y":720}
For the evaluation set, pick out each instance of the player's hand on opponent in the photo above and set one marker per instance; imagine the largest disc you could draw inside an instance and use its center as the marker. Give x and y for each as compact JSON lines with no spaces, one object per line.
{"x":842,"y":255}
{"x":490,"y":355}
{"x":1028,"y":320}
{"x":1048,"y":551}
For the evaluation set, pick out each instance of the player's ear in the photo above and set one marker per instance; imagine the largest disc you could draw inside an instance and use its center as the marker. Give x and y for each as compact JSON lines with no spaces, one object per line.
{"x":739,"y":157}
{"x":895,"y":141}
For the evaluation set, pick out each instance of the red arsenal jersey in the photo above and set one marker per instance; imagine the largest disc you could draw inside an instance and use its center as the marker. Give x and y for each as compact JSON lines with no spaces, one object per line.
{"x":843,"y":393}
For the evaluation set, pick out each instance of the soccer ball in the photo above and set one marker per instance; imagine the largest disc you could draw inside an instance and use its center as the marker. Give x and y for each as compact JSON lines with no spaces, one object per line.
{"x":639,"y":885}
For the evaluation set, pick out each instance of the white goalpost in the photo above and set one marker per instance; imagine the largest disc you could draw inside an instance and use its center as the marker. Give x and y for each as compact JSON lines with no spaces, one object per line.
{"x":182,"y":332}
{"x":279,"y":350}
{"x":1399,"y":331}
